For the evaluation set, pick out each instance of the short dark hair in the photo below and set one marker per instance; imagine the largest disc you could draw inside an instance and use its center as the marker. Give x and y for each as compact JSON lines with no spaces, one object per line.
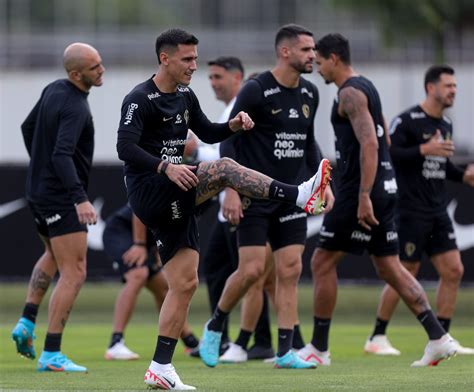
{"x":336,"y":44}
{"x":172,"y":38}
{"x":433,"y":74}
{"x":291,"y":31}
{"x":229,"y":63}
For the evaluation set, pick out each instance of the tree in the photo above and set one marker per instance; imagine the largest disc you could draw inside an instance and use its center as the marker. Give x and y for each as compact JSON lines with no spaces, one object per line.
{"x":417,"y":18}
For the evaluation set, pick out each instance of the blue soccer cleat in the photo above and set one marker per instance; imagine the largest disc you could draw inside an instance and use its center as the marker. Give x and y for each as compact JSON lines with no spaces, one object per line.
{"x":57,"y":362}
{"x":23,"y":336}
{"x":291,"y":360}
{"x":209,"y":346}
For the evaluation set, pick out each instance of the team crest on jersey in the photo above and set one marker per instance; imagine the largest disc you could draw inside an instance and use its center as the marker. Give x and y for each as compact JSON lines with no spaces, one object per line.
{"x":410,"y":248}
{"x":305,"y":109}
{"x":186,"y":116}
{"x":293,"y":113}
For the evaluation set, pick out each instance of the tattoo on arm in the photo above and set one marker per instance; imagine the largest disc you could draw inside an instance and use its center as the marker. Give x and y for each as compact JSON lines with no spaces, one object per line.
{"x":225,"y":172}
{"x":40,"y":280}
{"x":353,"y":105}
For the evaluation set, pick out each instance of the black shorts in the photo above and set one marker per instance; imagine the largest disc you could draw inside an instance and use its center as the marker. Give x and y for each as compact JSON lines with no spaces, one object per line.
{"x":430,"y":234}
{"x":168,"y":212}
{"x":118,"y":238}
{"x":341,"y":231}
{"x":56,"y":223}
{"x":281,"y":224}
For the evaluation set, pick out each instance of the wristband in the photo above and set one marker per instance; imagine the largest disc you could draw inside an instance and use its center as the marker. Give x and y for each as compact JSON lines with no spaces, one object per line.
{"x":164,"y":165}
{"x":139,"y":243}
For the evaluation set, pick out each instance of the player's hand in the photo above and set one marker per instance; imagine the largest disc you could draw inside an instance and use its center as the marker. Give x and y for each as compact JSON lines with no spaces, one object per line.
{"x":328,"y":200}
{"x":365,"y":212}
{"x":241,"y":121}
{"x":437,"y":146}
{"x":86,"y":213}
{"x":182,"y":175}
{"x":136,"y":254}
{"x":468,"y":177}
{"x":232,"y":206}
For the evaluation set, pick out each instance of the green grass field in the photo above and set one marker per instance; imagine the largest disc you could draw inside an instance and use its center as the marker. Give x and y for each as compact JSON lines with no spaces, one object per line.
{"x":89,"y":329}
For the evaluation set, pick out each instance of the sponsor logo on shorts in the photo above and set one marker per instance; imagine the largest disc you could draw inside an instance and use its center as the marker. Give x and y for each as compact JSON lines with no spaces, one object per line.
{"x":159,"y":244}
{"x":51,"y":219}
{"x":380,"y":130}
{"x":295,"y":215}
{"x":392,"y":236}
{"x":176,"y":210}
{"x":324,"y":233}
{"x":360,"y":236}
{"x":129,"y":115}
{"x":390,"y":186}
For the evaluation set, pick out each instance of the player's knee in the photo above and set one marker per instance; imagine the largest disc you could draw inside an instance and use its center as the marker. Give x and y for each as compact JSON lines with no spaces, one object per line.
{"x":454,"y":273}
{"x":137,"y":276}
{"x":252,"y":272}
{"x":290,"y":270}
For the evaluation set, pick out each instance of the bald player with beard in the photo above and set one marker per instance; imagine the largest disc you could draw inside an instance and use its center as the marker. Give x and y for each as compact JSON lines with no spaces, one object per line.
{"x":59,"y":138}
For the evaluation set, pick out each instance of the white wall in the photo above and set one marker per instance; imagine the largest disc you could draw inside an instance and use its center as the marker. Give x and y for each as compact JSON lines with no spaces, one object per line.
{"x":399,"y":87}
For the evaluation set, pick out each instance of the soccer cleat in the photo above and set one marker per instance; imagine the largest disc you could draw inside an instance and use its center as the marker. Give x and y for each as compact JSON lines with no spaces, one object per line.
{"x":209,"y":346}
{"x":311,"y":354}
{"x":120,"y":352}
{"x":23,"y":335}
{"x":461,"y":350}
{"x":311,"y":193}
{"x":260,"y":352}
{"x":234,"y":354}
{"x":166,"y":379}
{"x":291,"y":360}
{"x":57,"y":362}
{"x":380,"y":345}
{"x":436,"y":351}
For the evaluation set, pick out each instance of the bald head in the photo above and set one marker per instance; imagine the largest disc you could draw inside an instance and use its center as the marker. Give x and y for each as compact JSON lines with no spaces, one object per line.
{"x":76,"y":55}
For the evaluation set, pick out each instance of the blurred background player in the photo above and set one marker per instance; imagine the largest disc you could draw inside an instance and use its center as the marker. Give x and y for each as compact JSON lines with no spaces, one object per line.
{"x":131,"y":247}
{"x":421,"y":149}
{"x":226,"y":74}
{"x":283,"y":106}
{"x":59,"y":137}
{"x":363,"y":217}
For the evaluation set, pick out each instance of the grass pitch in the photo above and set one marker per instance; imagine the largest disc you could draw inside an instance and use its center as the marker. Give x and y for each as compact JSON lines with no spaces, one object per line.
{"x":89,"y":328}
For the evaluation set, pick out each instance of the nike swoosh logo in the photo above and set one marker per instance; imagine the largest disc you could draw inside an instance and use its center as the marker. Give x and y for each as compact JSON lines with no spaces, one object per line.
{"x":464,"y":233}
{"x":167,"y":119}
{"x":172,"y":384}
{"x":276,"y":111}
{"x":11,"y":207}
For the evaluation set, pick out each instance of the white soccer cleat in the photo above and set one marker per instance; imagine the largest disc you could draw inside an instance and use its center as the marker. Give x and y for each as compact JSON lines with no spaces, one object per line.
{"x":120,"y":352}
{"x":380,"y":345}
{"x":311,"y":193}
{"x":310,"y":354}
{"x":166,"y":379}
{"x":234,"y":354}
{"x":461,"y":350}
{"x":436,"y":351}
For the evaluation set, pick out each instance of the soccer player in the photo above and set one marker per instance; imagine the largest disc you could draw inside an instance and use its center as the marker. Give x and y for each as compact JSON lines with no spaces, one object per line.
{"x":226,"y":74}
{"x":59,"y":137}
{"x":283,"y":105}
{"x":134,"y":253}
{"x":363,"y":217}
{"x":164,"y":193}
{"x":421,"y":147}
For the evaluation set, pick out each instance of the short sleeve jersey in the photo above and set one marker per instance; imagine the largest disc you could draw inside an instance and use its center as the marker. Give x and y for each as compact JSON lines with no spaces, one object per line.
{"x":422,"y":180}
{"x":348,"y":147}
{"x":278,"y":144}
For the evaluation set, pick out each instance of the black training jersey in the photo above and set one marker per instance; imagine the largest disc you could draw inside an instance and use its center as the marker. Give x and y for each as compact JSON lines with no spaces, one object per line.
{"x":422,"y":179}
{"x":348,"y":147}
{"x":154,"y":127}
{"x":59,"y":137}
{"x":281,"y":145}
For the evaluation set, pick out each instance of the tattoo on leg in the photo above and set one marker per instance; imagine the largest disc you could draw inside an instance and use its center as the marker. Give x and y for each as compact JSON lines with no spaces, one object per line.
{"x":64,"y":319}
{"x":225,"y":172}
{"x":40,"y":280}
{"x":420,"y":297}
